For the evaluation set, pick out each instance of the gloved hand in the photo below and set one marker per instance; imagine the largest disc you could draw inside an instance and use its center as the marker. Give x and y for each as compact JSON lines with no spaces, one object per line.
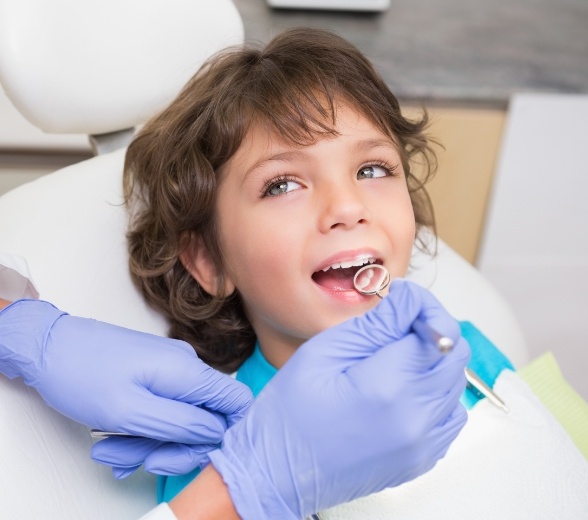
{"x":360,"y":407}
{"x":127,"y":454}
{"x":115,"y":379}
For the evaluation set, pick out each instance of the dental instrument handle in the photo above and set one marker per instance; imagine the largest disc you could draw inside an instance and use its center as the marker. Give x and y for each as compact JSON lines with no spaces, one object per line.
{"x":428,"y":333}
{"x":445,"y":345}
{"x":475,"y":381}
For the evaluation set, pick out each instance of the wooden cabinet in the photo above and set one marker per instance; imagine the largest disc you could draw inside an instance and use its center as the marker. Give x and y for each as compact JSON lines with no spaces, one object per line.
{"x":469,"y":145}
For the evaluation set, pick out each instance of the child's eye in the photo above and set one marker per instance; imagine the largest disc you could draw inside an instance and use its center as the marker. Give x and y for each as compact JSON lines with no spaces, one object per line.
{"x":373,"y":172}
{"x":276,"y":187}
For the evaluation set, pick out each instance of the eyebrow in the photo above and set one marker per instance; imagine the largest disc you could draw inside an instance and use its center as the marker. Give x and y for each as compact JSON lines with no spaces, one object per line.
{"x":278,"y":157}
{"x":365,"y":145}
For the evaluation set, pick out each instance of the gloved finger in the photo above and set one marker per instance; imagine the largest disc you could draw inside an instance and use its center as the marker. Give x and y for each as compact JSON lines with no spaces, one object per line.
{"x":440,"y":440}
{"x":442,"y":406}
{"x":120,"y":473}
{"x":164,"y":419}
{"x":438,"y":319}
{"x":171,"y":370}
{"x":437,"y":408}
{"x":445,"y":433}
{"x":195,"y":383}
{"x":127,"y":454}
{"x":406,"y":361}
{"x":449,"y":371}
{"x":391,"y":320}
{"x":123,"y":452}
{"x":177,"y":459}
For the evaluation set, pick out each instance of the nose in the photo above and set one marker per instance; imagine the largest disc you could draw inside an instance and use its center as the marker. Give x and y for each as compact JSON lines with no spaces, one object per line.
{"x":343,"y":206}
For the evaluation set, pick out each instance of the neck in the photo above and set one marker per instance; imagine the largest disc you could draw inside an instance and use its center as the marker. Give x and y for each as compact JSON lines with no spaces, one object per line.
{"x":278,"y":351}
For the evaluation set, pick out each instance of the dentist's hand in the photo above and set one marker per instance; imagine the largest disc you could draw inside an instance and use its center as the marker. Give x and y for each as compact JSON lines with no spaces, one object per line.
{"x":115,"y":379}
{"x":360,"y":407}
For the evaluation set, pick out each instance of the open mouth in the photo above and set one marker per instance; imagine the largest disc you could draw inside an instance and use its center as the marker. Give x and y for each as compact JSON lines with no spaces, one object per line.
{"x":339,"y":276}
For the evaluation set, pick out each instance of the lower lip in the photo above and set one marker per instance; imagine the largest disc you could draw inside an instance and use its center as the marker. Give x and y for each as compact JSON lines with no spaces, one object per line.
{"x":350,"y":296}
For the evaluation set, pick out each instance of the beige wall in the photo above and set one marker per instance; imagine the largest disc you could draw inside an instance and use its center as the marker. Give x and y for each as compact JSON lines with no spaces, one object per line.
{"x":471,"y":139}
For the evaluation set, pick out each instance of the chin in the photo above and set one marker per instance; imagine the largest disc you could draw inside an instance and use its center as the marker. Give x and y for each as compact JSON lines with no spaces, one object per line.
{"x":348,"y":314}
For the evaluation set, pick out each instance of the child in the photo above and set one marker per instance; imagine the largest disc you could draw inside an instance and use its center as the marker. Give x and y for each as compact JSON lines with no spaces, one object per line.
{"x":256,"y":196}
{"x":242,"y":107}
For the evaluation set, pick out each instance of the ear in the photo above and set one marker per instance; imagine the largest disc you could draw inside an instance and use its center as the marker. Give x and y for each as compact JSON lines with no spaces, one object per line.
{"x":197,"y":260}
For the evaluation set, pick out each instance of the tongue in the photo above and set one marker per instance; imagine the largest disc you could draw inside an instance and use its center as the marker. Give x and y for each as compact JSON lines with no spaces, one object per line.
{"x":336,"y":279}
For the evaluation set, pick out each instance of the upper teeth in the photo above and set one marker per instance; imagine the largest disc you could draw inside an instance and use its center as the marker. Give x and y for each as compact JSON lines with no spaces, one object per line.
{"x":352,"y":263}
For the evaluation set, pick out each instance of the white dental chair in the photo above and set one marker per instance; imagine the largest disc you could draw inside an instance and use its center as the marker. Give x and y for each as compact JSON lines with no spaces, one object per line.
{"x":102,"y":69}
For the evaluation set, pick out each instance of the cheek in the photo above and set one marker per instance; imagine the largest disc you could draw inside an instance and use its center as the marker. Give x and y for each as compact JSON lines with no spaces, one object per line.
{"x":253,"y":251}
{"x":410,"y":221}
{"x":398,"y":214}
{"x":400,"y":226}
{"x":408,"y":224}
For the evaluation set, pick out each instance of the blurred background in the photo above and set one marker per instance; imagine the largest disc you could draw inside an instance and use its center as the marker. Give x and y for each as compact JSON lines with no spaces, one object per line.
{"x":505,"y":84}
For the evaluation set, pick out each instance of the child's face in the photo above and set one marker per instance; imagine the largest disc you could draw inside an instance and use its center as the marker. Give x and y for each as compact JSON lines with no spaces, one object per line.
{"x":287,"y":212}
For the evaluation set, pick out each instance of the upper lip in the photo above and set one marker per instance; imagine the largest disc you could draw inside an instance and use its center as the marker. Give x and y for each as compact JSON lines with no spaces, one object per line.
{"x":355,"y":258}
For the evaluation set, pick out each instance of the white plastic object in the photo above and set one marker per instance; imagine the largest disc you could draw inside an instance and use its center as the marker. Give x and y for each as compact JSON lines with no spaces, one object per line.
{"x":335,"y":5}
{"x":95,"y":67}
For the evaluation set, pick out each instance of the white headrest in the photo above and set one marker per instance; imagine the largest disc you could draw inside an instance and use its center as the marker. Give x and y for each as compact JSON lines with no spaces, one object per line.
{"x":94,"y":67}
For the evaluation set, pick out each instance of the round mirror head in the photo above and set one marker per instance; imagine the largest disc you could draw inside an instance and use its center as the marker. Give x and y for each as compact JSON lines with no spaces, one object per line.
{"x":371,"y":280}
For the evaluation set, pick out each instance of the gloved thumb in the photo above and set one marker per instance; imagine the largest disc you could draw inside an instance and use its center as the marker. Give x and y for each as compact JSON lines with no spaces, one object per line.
{"x":394,"y":317}
{"x":127,"y":454}
{"x":177,"y":459}
{"x":388,"y":322}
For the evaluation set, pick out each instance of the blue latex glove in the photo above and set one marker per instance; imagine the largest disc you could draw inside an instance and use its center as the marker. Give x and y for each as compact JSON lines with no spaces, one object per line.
{"x":126,"y":455}
{"x":115,"y":379}
{"x":360,"y":407}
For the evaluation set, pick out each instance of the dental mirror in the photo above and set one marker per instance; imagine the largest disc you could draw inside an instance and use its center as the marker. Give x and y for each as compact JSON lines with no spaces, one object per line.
{"x":371,"y":279}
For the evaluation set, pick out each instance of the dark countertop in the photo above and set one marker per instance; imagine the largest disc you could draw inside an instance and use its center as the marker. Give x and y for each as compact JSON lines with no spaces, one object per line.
{"x":474,"y":52}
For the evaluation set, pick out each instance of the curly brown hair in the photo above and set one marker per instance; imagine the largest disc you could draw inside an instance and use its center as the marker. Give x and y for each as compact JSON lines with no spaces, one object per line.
{"x":171,"y":173}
